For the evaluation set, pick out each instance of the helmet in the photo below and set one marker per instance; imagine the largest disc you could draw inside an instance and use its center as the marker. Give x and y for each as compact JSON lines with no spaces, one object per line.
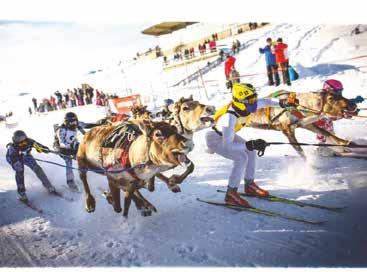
{"x":333,"y":85}
{"x":71,"y":120}
{"x":19,"y":136}
{"x":244,"y":97}
{"x":168,"y":102}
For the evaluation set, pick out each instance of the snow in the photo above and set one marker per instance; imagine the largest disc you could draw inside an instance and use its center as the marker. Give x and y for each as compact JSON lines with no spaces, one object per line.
{"x":185,"y":232}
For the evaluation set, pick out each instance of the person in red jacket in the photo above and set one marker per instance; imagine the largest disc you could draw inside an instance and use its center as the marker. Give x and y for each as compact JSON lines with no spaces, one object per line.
{"x":281,"y":58}
{"x":229,"y":66}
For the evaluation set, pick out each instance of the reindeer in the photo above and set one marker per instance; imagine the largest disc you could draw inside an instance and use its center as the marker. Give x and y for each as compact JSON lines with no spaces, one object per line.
{"x":154,"y":147}
{"x":312,"y":106}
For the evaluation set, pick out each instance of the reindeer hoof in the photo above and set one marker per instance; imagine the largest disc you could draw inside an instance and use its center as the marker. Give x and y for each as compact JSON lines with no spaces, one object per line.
{"x":117,"y":209}
{"x":146,"y":212}
{"x":175,"y":188}
{"x":174,"y":179}
{"x":90,"y":204}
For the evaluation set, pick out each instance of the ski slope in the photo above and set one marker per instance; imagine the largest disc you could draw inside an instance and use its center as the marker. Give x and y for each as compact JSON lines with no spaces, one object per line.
{"x":185,"y":232}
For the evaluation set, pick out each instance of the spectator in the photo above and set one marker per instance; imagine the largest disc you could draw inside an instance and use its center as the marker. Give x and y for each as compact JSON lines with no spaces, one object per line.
{"x":81,"y":97}
{"x":234,"y":46}
{"x":271,"y":66}
{"x":221,"y":55}
{"x":53,"y":102}
{"x":238,"y":45}
{"x":30,"y":110}
{"x":229,"y":65}
{"x":186,"y":52}
{"x":213,"y":46}
{"x":59,"y":99}
{"x":34,"y":100}
{"x":98,"y":98}
{"x":66,"y":96}
{"x":281,"y":60}
{"x":356,"y":31}
{"x":192,"y":52}
{"x":204,"y":48}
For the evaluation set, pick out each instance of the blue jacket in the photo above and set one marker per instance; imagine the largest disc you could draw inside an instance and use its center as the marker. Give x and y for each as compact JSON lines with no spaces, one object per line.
{"x":269,"y":56}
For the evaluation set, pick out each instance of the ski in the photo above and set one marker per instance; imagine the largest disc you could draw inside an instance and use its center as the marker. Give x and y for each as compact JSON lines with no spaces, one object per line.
{"x":58,"y":194}
{"x":293,"y":202}
{"x":260,"y":211}
{"x":30,"y":205}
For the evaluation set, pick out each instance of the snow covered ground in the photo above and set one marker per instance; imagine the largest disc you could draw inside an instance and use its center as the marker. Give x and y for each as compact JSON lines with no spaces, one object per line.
{"x":186,"y":232}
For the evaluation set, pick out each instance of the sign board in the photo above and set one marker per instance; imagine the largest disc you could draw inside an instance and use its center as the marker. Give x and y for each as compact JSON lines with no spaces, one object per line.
{"x":123,"y":104}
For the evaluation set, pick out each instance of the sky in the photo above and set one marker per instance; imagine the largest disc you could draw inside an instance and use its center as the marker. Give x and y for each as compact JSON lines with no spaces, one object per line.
{"x":36,"y":56}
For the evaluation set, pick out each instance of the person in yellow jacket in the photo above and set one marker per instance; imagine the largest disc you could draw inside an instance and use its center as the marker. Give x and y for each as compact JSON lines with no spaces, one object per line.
{"x":224,"y":141}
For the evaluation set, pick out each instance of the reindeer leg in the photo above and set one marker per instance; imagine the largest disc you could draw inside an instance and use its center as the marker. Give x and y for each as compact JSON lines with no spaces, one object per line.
{"x":176,"y":179}
{"x":131,"y":188}
{"x":90,"y":202}
{"x":138,"y":202}
{"x":290,"y":134}
{"x":326,"y":133}
{"x":127,"y":202}
{"x":172,"y":186}
{"x":145,"y":202}
{"x":115,"y":196}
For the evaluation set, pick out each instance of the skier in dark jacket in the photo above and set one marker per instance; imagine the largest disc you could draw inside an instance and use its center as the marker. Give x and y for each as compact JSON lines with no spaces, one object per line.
{"x":271,"y":66}
{"x":19,"y":154}
{"x":67,"y":144}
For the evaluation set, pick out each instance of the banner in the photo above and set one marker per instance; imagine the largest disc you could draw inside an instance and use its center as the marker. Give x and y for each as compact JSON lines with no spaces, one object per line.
{"x":123,"y":104}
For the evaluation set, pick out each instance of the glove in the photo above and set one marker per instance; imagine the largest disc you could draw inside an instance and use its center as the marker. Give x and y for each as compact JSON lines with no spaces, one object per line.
{"x":358,"y":99}
{"x":258,"y":144}
{"x":45,"y":149}
{"x":17,"y":166}
{"x":74,"y":145}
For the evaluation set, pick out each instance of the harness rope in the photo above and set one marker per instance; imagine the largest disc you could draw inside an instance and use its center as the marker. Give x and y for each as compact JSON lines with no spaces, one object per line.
{"x":101,"y":171}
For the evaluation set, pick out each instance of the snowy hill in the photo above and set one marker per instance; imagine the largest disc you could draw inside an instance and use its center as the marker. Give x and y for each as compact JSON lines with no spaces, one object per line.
{"x":185,"y":232}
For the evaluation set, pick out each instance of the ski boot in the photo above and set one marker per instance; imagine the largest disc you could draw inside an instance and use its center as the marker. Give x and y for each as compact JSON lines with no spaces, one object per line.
{"x":72,"y":186}
{"x":51,"y":189}
{"x":22,"y":197}
{"x":233,"y":198}
{"x":254,"y":190}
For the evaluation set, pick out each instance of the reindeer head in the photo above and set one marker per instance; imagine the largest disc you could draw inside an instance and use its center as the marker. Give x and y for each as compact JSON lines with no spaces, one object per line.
{"x":192,"y":115}
{"x":167,"y":147}
{"x":338,"y":107}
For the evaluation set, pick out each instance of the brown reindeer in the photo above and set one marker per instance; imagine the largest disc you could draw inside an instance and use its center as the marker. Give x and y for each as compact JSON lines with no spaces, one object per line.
{"x":188,"y":116}
{"x":311,"y":107}
{"x":141,"y":113}
{"x":154,"y":147}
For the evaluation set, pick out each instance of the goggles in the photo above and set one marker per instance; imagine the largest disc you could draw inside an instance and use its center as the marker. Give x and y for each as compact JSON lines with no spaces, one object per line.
{"x":249,"y":100}
{"x":23,"y":143}
{"x":72,"y":123}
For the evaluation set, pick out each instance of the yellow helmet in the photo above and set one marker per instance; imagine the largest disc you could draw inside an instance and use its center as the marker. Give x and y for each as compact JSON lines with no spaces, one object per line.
{"x":243,"y":93}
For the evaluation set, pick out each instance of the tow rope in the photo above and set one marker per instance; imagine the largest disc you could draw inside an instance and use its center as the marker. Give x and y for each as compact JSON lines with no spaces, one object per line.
{"x":307,"y":144}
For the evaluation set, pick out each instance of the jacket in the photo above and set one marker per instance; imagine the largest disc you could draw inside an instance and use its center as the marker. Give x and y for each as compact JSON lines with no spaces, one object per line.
{"x":280,"y":53}
{"x":269,"y":56}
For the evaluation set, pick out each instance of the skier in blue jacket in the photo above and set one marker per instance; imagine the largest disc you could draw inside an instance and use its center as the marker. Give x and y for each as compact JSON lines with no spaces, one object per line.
{"x":19,"y":154}
{"x":271,"y":66}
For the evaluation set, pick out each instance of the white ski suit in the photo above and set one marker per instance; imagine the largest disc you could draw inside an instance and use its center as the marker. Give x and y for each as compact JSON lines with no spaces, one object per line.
{"x":231,"y":146}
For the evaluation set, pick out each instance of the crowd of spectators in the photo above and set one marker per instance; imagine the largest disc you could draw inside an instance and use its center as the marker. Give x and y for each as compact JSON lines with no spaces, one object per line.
{"x":69,"y":99}
{"x":189,"y":53}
